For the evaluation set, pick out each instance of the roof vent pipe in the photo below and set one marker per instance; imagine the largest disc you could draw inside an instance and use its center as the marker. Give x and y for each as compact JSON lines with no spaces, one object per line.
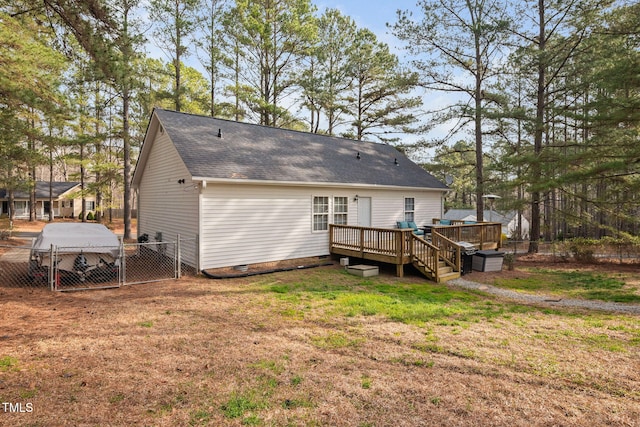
{"x":219,"y":133}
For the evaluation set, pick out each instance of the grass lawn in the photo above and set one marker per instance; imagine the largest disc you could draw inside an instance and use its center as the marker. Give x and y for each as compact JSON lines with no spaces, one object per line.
{"x":313,"y":347}
{"x":611,"y":286}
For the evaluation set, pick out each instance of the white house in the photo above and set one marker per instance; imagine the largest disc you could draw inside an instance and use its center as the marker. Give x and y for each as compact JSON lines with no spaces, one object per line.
{"x":251,"y":194}
{"x":508,"y":220}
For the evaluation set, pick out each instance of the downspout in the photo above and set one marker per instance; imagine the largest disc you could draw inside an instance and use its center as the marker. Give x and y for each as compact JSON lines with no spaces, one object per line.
{"x":137,"y":196}
{"x":199,"y":240}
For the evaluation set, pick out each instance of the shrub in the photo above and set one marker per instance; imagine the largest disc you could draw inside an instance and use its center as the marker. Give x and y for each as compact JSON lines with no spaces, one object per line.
{"x":509,"y":261}
{"x":583,"y":249}
{"x":91,"y":216}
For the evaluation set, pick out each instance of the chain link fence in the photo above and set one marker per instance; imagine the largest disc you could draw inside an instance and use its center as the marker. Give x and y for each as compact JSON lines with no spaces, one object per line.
{"x":579,"y":249}
{"x":67,"y":268}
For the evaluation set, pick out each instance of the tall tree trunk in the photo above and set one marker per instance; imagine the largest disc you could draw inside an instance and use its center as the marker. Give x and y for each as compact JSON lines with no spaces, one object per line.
{"x":32,"y":173}
{"x":178,"y":57}
{"x":126,"y":138}
{"x":50,"y":181}
{"x":82,"y":186}
{"x":536,"y":170}
{"x":478,"y":134}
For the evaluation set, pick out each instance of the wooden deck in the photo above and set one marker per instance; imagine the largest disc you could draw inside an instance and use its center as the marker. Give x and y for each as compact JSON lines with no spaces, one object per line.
{"x":439,"y":259}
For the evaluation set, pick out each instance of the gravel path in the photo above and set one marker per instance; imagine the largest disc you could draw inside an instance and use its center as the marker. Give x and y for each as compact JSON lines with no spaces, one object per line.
{"x":546,"y":300}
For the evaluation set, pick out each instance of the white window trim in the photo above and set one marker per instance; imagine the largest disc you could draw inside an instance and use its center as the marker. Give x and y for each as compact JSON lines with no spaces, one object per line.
{"x":404,"y":208}
{"x":314,"y":214}
{"x":330,"y":211}
{"x":345,"y":213}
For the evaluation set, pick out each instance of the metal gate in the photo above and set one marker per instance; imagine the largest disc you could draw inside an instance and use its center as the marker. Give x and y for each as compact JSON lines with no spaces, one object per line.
{"x":72,"y":269}
{"x":150,"y":262}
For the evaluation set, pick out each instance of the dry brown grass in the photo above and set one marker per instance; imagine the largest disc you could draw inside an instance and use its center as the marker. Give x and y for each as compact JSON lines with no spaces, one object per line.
{"x":188,"y":352}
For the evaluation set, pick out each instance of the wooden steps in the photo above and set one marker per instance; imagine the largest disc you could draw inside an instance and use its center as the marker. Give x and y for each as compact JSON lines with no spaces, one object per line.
{"x":445,"y":272}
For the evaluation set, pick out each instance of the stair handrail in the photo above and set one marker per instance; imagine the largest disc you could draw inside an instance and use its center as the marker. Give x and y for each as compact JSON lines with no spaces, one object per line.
{"x":425,"y":253}
{"x":450,"y":251}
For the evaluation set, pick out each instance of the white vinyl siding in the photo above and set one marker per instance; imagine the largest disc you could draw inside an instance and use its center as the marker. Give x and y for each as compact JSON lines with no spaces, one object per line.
{"x":165,"y":205}
{"x":249,"y":224}
{"x":388,"y":207}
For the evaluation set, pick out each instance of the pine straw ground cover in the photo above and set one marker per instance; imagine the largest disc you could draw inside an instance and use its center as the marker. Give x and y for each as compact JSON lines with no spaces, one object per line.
{"x":311,"y":347}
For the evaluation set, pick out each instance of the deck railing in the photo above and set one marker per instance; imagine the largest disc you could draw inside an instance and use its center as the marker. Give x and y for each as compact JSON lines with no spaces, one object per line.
{"x":484,"y":235}
{"x":450,"y":251}
{"x":391,"y":245}
{"x":401,"y":246}
{"x":426,"y":255}
{"x":381,"y":244}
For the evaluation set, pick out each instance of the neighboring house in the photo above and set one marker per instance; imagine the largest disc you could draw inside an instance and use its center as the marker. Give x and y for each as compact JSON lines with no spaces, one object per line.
{"x":67,"y":201}
{"x":251,"y":194}
{"x":509,"y":220}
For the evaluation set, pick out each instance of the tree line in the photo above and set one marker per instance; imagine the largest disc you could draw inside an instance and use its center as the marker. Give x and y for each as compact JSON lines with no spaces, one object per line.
{"x":541,"y":108}
{"x":549,"y":100}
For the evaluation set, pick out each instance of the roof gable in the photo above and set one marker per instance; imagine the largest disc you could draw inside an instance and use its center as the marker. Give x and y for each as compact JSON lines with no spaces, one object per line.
{"x":216,"y":149}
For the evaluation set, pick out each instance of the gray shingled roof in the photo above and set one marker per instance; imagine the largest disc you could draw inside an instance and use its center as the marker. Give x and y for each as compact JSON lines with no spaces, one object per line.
{"x":42,"y":190}
{"x":255,"y":152}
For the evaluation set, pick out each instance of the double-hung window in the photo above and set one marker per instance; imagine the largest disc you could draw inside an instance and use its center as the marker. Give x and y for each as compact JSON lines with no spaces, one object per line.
{"x":340,"y":210}
{"x":320,"y":213}
{"x":329,"y":210}
{"x":409,"y":209}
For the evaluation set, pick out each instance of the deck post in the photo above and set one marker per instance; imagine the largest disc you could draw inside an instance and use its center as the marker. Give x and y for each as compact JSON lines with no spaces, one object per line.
{"x":331,"y":230}
{"x":400,"y":242}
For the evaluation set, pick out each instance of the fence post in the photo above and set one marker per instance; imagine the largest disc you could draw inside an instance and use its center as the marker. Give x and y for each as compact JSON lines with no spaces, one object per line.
{"x":178,"y":258}
{"x":197,"y":249}
{"x":52,"y":273}
{"x":123,"y":263}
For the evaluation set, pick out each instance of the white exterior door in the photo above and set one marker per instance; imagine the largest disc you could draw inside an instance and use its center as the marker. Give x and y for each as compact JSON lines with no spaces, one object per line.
{"x":364,"y":211}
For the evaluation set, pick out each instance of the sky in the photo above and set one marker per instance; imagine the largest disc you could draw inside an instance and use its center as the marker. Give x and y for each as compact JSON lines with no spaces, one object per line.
{"x":374,"y":15}
{"x":371,"y":14}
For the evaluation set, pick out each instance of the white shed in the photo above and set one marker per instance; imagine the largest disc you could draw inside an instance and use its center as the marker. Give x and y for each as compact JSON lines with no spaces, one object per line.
{"x":252,"y":194}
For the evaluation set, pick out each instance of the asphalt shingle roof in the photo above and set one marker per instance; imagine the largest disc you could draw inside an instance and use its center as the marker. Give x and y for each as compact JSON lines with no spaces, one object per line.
{"x":42,"y":190}
{"x":255,"y":152}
